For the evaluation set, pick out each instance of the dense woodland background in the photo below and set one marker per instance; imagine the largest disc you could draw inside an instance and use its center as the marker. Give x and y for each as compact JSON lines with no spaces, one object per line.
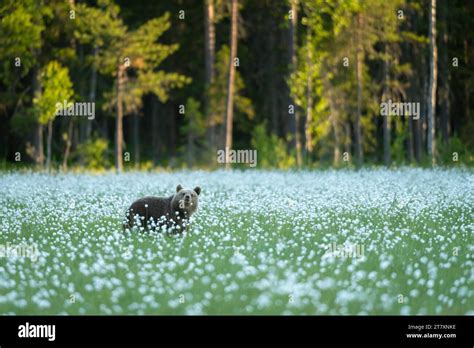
{"x":301,"y":81}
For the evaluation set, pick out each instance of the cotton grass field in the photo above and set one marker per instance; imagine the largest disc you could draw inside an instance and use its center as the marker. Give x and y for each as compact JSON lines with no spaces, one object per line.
{"x":260,"y":243}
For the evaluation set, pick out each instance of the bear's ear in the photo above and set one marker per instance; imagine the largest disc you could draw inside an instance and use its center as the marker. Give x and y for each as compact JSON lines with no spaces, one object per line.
{"x":197,"y":189}
{"x":179,"y":188}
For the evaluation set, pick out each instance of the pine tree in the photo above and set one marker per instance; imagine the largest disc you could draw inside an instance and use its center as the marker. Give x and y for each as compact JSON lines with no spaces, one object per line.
{"x":131,"y":58}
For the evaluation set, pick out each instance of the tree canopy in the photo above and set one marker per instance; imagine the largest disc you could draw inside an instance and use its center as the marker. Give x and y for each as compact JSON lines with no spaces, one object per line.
{"x":309,"y":79}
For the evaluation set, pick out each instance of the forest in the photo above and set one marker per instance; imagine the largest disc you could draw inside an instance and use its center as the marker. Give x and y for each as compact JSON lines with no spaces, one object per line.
{"x":141,"y":85}
{"x":237,"y":157}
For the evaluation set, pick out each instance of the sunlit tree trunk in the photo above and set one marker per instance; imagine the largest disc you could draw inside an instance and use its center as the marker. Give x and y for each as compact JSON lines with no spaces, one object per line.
{"x":230,"y":86}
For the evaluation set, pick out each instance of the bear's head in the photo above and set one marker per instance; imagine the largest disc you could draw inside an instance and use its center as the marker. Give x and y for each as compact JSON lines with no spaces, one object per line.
{"x":185,"y":201}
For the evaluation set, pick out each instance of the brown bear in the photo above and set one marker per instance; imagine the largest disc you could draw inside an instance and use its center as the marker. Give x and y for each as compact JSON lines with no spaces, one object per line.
{"x":172,"y":212}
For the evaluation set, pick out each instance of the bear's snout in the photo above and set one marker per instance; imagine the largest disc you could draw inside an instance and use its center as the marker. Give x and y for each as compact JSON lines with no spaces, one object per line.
{"x":187,"y":198}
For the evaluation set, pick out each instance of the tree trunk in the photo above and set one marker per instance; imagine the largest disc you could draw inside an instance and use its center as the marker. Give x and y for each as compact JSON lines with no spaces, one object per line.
{"x":431,"y":139}
{"x":359,"y":77}
{"x":417,"y":89}
{"x":119,"y":121}
{"x":348,"y":137}
{"x":92,"y":91}
{"x":209,"y":54}
{"x":299,"y":141}
{"x":38,"y":138}
{"x":337,"y":151}
{"x":418,"y":139}
{"x":68,"y":143}
{"x":210,"y":40}
{"x":309,"y":104}
{"x":82,"y":88}
{"x":230,"y":86}
{"x":446,"y":76}
{"x":294,"y":120}
{"x":357,"y":130}
{"x":69,"y":135}
{"x":155,"y":136}
{"x":467,"y":83}
{"x":39,"y":153}
{"x":190,"y":148}
{"x":173,"y":132}
{"x":272,"y":83}
{"x":425,"y":91}
{"x":386,"y":142}
{"x":386,"y":121}
{"x":48,"y":144}
{"x":410,"y":143}
{"x":136,"y":140}
{"x":333,"y":119}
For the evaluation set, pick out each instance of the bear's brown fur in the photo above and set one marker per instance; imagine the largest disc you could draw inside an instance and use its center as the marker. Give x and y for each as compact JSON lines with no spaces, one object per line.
{"x":173,"y":211}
